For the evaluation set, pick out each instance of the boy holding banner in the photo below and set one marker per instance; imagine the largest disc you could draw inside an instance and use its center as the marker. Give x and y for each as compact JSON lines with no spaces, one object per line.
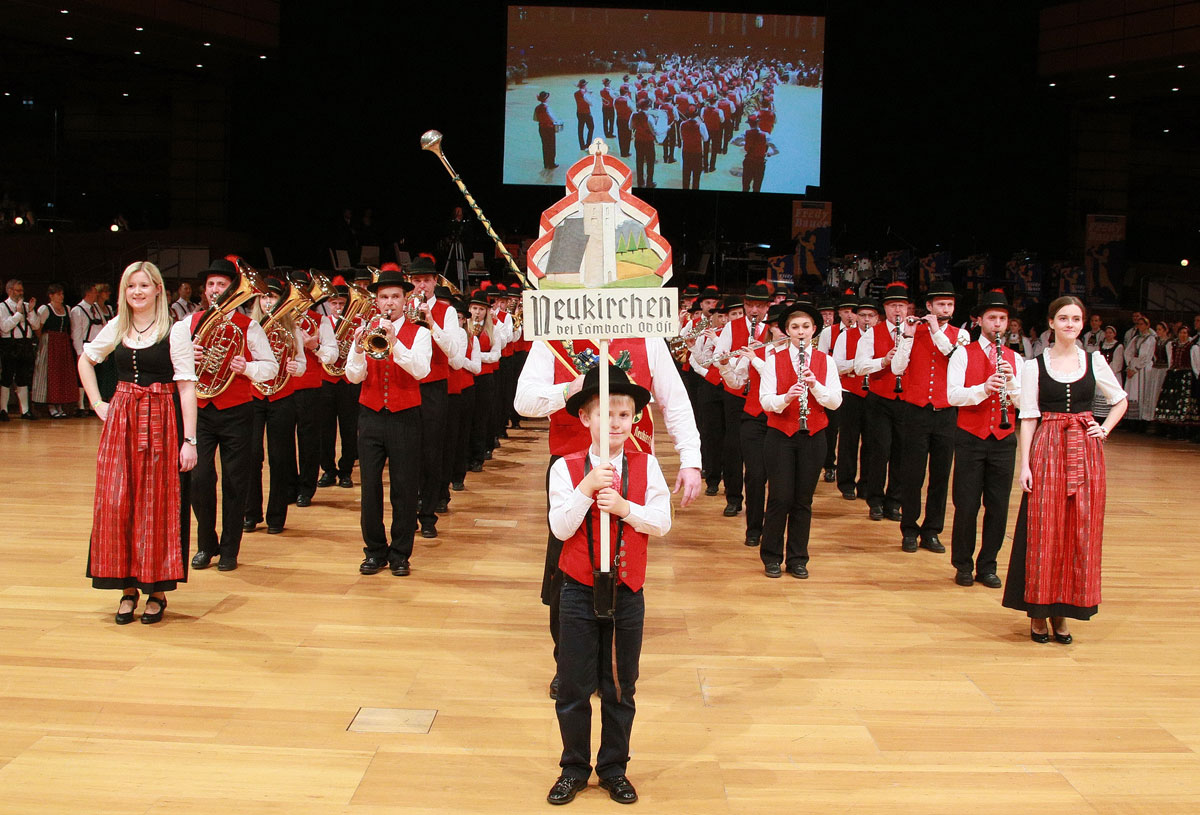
{"x":602,"y":608}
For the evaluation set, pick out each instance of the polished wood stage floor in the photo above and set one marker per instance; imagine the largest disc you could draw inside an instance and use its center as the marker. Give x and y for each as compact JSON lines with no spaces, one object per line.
{"x":295,"y":685}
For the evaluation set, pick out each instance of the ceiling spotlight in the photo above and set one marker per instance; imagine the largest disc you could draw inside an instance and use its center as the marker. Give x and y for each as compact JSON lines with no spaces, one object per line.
{"x":63,"y":11}
{"x":52,"y":230}
{"x":1184,"y":262}
{"x":139,"y":28}
{"x":114,"y":228}
{"x":137,"y":53}
{"x":199,"y":65}
{"x":69,"y":39}
{"x":1112,"y":76}
{"x":262,"y":56}
{"x":1112,"y":97}
{"x":6,"y":93}
{"x":1054,"y":84}
{"x":208,"y":45}
{"x":1166,"y":130}
{"x":125,"y":95}
{"x":19,"y":221}
{"x":1179,"y":66}
{"x":1174,"y":90}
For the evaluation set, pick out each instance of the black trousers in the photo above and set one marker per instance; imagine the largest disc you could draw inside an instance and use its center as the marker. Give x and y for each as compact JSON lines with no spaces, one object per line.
{"x":928,"y":439}
{"x":711,"y":418}
{"x":588,"y":122}
{"x":624,"y":136}
{"x":793,"y":469}
{"x":608,"y":117}
{"x":983,"y":469}
{"x":433,"y":442}
{"x":882,"y":452}
{"x":731,"y":448}
{"x":17,"y":357}
{"x":711,"y":148}
{"x":693,"y":166}
{"x":462,"y":447}
{"x":277,"y":421}
{"x":339,"y":416}
{"x":669,"y":144}
{"x":501,"y":405}
{"x":549,"y":146}
{"x":752,"y":175}
{"x":231,"y":431}
{"x":585,"y":664}
{"x":308,"y":439}
{"x":454,"y":409}
{"x":481,"y":424}
{"x":831,"y":438}
{"x":726,"y":135}
{"x":645,"y":152}
{"x":394,"y":439}
{"x":850,"y":425}
{"x":518,"y":364}
{"x":754,"y":435}
{"x":552,"y":577}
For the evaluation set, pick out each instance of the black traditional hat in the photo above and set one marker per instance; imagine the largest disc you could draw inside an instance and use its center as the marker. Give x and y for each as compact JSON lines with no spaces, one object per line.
{"x":729,"y":304}
{"x":848,"y":299}
{"x":691,"y":290}
{"x":543,"y":96}
{"x":825,"y":304}
{"x":758,"y":292}
{"x":991,"y":300}
{"x":940,"y":289}
{"x":479,"y":298}
{"x":775,"y":312}
{"x":220,"y":268}
{"x":390,"y":278}
{"x":275,"y":286}
{"x":515,"y":289}
{"x":709,"y":293}
{"x":896,"y":291}
{"x":422,"y":265}
{"x":618,"y":382}
{"x":442,"y":292}
{"x":799,"y":307}
{"x":870,"y":303}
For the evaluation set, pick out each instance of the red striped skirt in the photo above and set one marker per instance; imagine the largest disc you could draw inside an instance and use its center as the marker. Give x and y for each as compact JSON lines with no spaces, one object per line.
{"x":136,"y":526}
{"x":1066,"y":513}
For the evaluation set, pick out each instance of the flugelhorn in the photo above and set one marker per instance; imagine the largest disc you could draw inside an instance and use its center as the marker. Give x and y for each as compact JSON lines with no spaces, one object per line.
{"x":431,"y":140}
{"x":220,"y":337}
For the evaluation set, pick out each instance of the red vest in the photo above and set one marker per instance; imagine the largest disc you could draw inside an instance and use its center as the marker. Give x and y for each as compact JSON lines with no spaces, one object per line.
{"x":387,"y":384}
{"x":712,"y":120}
{"x":313,"y":372}
{"x":624,"y":109}
{"x":981,"y":420}
{"x":567,"y":433}
{"x":629,"y":561}
{"x":788,"y":422}
{"x":485,"y":345}
{"x":756,"y":145}
{"x":883,"y":382}
{"x":739,"y":338}
{"x":439,"y":366}
{"x":606,"y":97}
{"x":925,"y":376}
{"x":460,"y":378}
{"x":753,"y":406}
{"x":689,"y":131}
{"x":240,"y":391}
{"x":510,"y":346}
{"x":850,"y":382}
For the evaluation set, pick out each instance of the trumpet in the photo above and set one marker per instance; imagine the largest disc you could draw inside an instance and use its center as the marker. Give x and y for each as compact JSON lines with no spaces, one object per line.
{"x":412,"y":311}
{"x":375,"y":342}
{"x":686,"y":337}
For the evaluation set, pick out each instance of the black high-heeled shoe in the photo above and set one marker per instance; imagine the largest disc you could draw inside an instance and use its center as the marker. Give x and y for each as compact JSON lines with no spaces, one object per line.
{"x":1041,"y":638}
{"x":1062,"y":639}
{"x":150,"y":619}
{"x":125,"y":618}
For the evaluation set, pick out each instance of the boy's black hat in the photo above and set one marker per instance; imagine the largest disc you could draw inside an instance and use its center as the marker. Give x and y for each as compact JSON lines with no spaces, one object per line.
{"x":799,"y":307}
{"x":618,"y":382}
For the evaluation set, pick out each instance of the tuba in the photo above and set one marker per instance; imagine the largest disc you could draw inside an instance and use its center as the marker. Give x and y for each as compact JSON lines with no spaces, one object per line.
{"x":282,"y":336}
{"x":220,"y":337}
{"x":319,"y":289}
{"x":359,"y":304}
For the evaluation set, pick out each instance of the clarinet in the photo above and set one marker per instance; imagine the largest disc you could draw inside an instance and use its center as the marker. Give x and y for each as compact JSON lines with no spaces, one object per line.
{"x":753,"y":331}
{"x":899,"y":384}
{"x":801,"y":364}
{"x":1005,"y":401}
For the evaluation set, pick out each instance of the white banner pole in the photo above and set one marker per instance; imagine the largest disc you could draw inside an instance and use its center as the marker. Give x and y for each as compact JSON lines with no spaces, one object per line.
{"x":605,"y":454}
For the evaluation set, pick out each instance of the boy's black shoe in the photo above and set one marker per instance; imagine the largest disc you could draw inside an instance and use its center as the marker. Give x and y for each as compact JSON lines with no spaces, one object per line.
{"x":327,"y":480}
{"x":565,"y":789}
{"x":619,"y":789}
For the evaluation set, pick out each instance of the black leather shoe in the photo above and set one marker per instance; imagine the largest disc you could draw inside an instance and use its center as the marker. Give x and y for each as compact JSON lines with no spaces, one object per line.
{"x":327,"y":480}
{"x":892,"y":515}
{"x":619,"y":788}
{"x":711,"y":489}
{"x":964,"y":579}
{"x":429,"y":532}
{"x":503,"y":434}
{"x":401,"y":568}
{"x":753,"y":540}
{"x":800,"y":572}
{"x":554,"y":687}
{"x":989,"y":580}
{"x":442,"y":508}
{"x":875,"y":514}
{"x":4,"y":415}
{"x":151,"y":619}
{"x":28,"y":416}
{"x":908,"y":544}
{"x":476,"y":467}
{"x":346,"y":482}
{"x":226,"y":564}
{"x":303,"y":500}
{"x":830,"y":475}
{"x":732,"y":509}
{"x":458,"y":486}
{"x":773,"y":570}
{"x":274,"y":530}
{"x":565,"y":789}
{"x":126,"y":617}
{"x":249,"y":526}
{"x":932,"y":543}
{"x":849,"y":496}
{"x":372,"y":565}
{"x":202,"y":560}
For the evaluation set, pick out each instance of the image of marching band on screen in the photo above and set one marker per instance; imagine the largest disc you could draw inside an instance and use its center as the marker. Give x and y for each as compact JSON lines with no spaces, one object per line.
{"x":690,"y":100}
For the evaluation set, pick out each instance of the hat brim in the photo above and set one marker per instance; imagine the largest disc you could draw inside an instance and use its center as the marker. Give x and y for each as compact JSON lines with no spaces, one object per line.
{"x":800,"y":308}
{"x":403,"y":284}
{"x":980,"y":309}
{"x":641,"y":396}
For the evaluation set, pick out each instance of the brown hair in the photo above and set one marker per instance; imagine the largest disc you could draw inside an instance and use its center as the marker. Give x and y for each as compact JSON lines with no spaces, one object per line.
{"x":1062,"y":302}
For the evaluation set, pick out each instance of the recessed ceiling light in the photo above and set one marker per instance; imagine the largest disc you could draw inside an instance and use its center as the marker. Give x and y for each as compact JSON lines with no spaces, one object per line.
{"x":1178,"y":66}
{"x":1112,"y":76}
{"x":1174,"y":90}
{"x":262,"y":56}
{"x":139,"y":28}
{"x":1166,"y":130}
{"x":6,"y":93}
{"x":69,"y":39}
{"x":208,"y":45}
{"x":125,"y":95}
{"x":1054,"y":84}
{"x":137,"y":53}
{"x":1112,"y":97}
{"x":1183,"y":262}
{"x":63,"y":11}
{"x":199,"y":65}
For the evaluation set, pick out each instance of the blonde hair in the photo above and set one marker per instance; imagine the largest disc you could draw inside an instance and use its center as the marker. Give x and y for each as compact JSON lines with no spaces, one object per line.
{"x":162,"y":315}
{"x":286,"y":322}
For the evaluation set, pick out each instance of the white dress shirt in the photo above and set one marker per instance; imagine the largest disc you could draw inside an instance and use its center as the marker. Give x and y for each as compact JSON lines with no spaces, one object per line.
{"x":181,"y":308}
{"x":414,"y":360}
{"x":17,"y":321}
{"x":183,"y":358}
{"x":471,"y":362}
{"x":904,"y":348}
{"x":327,"y":348}
{"x":82,"y":330}
{"x":569,"y":506}
{"x":959,"y":395}
{"x":828,"y":393}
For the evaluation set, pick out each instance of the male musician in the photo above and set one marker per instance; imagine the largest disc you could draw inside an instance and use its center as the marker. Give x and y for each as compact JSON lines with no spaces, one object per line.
{"x":448,"y":340}
{"x":694,"y":137}
{"x":758,"y":149}
{"x":226,"y":422}
{"x":519,"y":353}
{"x":745,"y":326}
{"x":984,"y":453}
{"x":607,"y":112}
{"x":624,"y":106}
{"x":460,"y":392}
{"x":389,"y":426}
{"x":828,"y":335}
{"x":672,"y":113}
{"x":881,"y":427}
{"x":547,"y":130}
{"x":183,"y":306}
{"x":714,"y":120}
{"x":857,"y":318}
{"x":502,"y":334}
{"x":320,"y":349}
{"x":338,"y":405}
{"x":19,"y":323}
{"x":554,"y":372}
{"x":929,"y":419}
{"x":86,"y":322}
{"x":727,"y":106}
{"x":644,"y":143}
{"x":583,"y":113}
{"x":709,"y":398}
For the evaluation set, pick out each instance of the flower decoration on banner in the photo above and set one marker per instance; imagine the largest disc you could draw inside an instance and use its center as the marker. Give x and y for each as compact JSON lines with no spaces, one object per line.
{"x":599,"y":234}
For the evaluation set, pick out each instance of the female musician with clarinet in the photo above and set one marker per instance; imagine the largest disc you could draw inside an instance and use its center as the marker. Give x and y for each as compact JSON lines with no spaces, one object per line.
{"x":797,"y":386}
{"x":1054,"y":564}
{"x":983,"y":380}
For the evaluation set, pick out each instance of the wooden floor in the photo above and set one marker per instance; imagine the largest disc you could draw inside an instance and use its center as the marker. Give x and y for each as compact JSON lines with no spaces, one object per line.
{"x":876,"y":686}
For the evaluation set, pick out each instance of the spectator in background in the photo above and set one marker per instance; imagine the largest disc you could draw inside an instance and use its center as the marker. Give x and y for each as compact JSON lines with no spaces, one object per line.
{"x":54,"y":374}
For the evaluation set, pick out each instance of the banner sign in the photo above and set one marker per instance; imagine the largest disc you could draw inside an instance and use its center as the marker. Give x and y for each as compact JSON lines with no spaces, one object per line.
{"x":812,"y":225}
{"x":584,"y":314}
{"x":1104,"y":258}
